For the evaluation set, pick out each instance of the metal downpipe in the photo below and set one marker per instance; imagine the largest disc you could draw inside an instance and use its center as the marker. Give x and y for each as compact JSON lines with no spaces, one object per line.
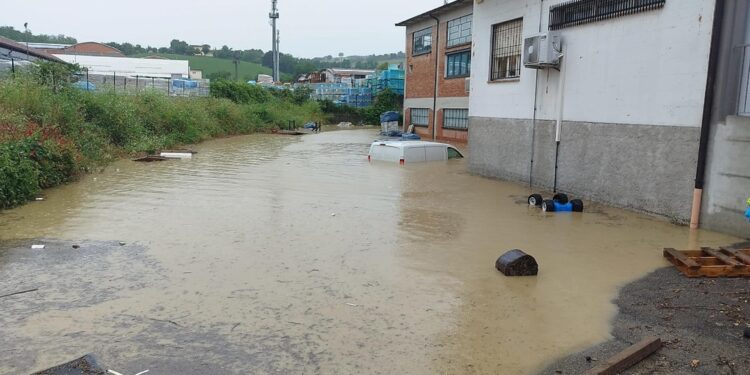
{"x":708,"y":101}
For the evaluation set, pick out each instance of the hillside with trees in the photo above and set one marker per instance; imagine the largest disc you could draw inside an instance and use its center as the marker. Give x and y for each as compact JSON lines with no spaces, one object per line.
{"x":220,"y":62}
{"x":21,"y":36}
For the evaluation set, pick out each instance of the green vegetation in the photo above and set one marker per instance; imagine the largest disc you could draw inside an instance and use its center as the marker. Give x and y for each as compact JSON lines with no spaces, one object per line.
{"x":20,"y":36}
{"x":51,"y":133}
{"x":385,"y":101}
{"x":215,"y":68}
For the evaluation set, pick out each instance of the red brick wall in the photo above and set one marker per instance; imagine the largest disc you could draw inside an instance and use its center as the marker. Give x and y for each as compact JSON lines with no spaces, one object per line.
{"x":420,"y":81}
{"x":420,"y":69}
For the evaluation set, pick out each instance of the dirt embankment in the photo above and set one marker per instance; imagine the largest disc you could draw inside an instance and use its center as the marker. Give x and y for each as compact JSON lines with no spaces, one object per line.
{"x":700,"y":321}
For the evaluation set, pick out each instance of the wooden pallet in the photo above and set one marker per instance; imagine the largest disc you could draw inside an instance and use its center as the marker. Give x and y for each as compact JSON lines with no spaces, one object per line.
{"x":709,"y":262}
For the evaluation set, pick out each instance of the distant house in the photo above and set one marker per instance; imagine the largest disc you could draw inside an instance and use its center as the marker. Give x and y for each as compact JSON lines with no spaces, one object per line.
{"x":196,"y":74}
{"x":337,"y":75}
{"x":84,"y":48}
{"x":198,"y":50}
{"x":438,"y":65}
{"x":314,"y":77}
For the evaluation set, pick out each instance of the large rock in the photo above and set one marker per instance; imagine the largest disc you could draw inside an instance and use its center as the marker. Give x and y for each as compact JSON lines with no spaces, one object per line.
{"x":517,"y":263}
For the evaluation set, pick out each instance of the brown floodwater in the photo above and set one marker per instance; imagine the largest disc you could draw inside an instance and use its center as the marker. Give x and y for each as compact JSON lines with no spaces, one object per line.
{"x":269,"y":254}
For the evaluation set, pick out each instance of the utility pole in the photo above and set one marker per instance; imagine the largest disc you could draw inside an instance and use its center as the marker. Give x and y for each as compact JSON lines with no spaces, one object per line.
{"x":274,"y":15}
{"x":26,"y":31}
{"x":278,"y":57}
{"x":236,"y":63}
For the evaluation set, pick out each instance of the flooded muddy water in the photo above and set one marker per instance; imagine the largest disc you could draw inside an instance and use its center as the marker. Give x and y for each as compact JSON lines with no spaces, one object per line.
{"x":270,"y":254}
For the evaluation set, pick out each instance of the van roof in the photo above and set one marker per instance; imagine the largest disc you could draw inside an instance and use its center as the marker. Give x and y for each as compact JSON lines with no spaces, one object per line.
{"x":406,"y":144}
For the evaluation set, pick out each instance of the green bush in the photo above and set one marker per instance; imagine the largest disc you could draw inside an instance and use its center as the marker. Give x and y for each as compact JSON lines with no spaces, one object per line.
{"x":50,"y":132}
{"x":239,"y":92}
{"x":19,"y":178}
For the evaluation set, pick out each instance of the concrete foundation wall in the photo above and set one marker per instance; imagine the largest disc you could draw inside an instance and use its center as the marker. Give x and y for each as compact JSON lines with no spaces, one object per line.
{"x":728,"y":178}
{"x":640,"y":167}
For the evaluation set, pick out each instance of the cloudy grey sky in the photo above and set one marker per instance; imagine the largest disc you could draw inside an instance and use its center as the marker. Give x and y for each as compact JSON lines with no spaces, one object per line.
{"x":309,"y":28}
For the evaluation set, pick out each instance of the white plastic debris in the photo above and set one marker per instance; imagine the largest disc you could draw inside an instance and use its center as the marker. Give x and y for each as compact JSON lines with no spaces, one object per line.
{"x":176,"y":155}
{"x":39,"y":199}
{"x":352,"y":304}
{"x":36,"y":247}
{"x":142,"y":372}
{"x":333,"y":214}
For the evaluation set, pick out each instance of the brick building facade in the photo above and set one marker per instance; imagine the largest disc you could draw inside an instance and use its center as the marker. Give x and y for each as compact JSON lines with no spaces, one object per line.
{"x":438,"y":60}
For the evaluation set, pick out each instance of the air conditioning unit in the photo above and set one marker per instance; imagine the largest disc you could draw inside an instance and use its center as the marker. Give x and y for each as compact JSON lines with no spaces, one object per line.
{"x":542,"y":51}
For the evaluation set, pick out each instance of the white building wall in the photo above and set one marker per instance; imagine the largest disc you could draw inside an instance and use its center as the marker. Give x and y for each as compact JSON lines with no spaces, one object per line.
{"x":128,"y":66}
{"x":643,"y":68}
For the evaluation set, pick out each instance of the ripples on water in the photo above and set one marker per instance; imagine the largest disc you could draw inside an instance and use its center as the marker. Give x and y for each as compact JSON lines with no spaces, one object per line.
{"x":295,"y":255}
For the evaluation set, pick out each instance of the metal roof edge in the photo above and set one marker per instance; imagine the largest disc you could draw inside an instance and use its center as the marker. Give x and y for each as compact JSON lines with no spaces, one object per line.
{"x":438,"y":10}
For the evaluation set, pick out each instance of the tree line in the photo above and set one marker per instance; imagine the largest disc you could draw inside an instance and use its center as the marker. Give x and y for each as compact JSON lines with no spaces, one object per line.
{"x":288,"y":63}
{"x":27,"y":36}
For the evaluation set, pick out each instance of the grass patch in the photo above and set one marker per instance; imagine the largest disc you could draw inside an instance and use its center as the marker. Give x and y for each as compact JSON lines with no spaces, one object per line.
{"x":211,"y":65}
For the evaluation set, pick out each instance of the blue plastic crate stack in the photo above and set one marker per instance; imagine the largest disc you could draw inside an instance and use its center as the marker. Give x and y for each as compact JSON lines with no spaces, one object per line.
{"x":357,"y":97}
{"x":329,"y":91}
{"x":392,"y":79}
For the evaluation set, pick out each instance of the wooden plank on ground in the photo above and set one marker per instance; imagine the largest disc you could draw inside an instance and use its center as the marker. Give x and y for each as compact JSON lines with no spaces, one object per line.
{"x":727,"y":260}
{"x":678,"y":256}
{"x":627,"y":358}
{"x":745,"y":258}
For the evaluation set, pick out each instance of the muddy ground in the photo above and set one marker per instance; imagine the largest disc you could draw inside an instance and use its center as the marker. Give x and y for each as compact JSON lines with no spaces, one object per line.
{"x":697,"y":319}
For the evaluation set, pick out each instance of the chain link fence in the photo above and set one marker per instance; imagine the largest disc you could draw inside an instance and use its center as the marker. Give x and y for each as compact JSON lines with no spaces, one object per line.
{"x":127,"y":84}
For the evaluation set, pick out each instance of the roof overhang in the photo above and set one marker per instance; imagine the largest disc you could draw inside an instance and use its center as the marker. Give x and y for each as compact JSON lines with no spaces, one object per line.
{"x":435,"y":12}
{"x":22,"y":49}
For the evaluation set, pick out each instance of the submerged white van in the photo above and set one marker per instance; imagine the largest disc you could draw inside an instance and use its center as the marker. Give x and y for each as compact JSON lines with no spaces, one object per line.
{"x":412,"y":151}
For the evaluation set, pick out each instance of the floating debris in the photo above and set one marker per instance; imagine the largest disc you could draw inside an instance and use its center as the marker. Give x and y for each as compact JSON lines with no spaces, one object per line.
{"x":37,"y":247}
{"x":176,"y":155}
{"x":150,"y":158}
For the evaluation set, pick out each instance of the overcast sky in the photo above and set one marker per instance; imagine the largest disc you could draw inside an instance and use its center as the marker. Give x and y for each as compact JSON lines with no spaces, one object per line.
{"x":309,"y":28}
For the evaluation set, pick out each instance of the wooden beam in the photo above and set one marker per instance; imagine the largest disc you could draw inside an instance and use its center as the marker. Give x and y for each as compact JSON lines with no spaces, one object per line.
{"x":627,"y":358}
{"x":727,"y":260}
{"x":679,"y":256}
{"x":738,"y":254}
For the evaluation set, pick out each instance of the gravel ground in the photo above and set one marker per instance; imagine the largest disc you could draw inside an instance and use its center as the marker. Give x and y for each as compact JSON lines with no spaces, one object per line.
{"x":700,"y":322}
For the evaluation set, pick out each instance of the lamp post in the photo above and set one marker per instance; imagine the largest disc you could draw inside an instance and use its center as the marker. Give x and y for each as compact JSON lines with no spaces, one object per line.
{"x":26,"y":32}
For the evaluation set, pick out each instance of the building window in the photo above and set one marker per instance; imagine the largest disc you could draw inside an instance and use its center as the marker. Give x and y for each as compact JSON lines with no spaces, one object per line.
{"x":458,"y":64}
{"x":459,"y":31}
{"x":455,"y":119}
{"x":422,"y":42}
{"x":420,"y":116}
{"x":579,"y":12}
{"x":506,"y":50}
